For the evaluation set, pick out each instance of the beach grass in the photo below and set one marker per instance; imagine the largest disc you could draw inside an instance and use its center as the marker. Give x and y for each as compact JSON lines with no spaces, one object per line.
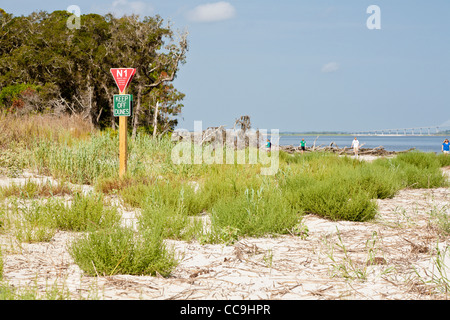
{"x":416,"y":169}
{"x":34,"y":189}
{"x":37,"y":220}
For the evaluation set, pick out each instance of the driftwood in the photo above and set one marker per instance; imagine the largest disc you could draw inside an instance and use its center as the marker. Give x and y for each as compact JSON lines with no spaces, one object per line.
{"x":219,"y":136}
{"x":332,"y":147}
{"x":241,"y":136}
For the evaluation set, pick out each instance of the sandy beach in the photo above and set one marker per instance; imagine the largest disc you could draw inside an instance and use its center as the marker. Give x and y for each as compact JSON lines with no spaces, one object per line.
{"x":391,"y":257}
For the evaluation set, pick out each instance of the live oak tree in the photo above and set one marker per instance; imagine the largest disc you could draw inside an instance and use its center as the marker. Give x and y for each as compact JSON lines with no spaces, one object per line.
{"x":68,"y":69}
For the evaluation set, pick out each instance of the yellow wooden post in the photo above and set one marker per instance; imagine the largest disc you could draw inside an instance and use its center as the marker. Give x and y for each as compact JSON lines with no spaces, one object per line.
{"x":123,"y":143}
{"x":123,"y":76}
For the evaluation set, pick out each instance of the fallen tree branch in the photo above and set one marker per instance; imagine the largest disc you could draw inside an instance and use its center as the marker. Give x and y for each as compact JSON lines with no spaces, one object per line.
{"x":332,"y":147}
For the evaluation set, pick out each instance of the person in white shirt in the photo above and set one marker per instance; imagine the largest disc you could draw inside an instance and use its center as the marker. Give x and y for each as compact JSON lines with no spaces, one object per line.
{"x":355,"y":146}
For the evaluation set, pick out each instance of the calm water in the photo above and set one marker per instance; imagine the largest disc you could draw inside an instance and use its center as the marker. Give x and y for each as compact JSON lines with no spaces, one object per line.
{"x":390,"y":143}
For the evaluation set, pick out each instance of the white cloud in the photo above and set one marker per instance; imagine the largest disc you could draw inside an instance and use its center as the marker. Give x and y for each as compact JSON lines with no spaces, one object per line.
{"x":120,"y":8}
{"x":211,"y":12}
{"x":330,"y":67}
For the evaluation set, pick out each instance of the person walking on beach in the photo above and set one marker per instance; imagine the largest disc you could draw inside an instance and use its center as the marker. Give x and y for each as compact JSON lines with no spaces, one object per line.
{"x":355,"y":146}
{"x":445,"y":147}
{"x":268,"y":145}
{"x":303,"y":145}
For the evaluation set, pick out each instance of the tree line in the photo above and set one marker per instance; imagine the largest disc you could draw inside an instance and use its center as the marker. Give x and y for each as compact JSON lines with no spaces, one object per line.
{"x":45,"y":66}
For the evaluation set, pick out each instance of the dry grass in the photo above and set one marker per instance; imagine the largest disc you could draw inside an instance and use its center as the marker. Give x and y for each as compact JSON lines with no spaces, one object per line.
{"x":25,"y":130}
{"x":33,"y":189}
{"x":114,"y":185}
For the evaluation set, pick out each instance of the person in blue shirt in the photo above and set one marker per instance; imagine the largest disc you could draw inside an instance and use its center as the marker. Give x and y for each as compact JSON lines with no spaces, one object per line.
{"x":268,"y":145}
{"x":445,"y":147}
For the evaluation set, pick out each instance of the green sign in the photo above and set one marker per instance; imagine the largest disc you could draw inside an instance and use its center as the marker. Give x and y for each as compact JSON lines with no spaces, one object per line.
{"x":122,"y":105}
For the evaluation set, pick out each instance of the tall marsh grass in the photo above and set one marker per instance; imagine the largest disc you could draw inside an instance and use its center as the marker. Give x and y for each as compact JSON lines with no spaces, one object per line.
{"x":81,"y":162}
{"x":27,"y":129}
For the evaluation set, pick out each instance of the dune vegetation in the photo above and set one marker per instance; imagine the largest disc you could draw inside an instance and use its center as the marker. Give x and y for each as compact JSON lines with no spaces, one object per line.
{"x":173,"y":200}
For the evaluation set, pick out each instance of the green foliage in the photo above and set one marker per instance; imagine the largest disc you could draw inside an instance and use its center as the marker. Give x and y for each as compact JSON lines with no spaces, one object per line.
{"x":52,"y":292}
{"x":207,"y":203}
{"x":10,"y":94}
{"x":69,"y":67}
{"x":444,"y":160}
{"x":254,"y":213}
{"x":338,"y":188}
{"x":86,"y":212}
{"x":378,"y":182}
{"x":348,"y":201}
{"x":176,"y":224}
{"x":177,"y":195}
{"x":32,"y":222}
{"x":38,"y":221}
{"x":416,"y":169}
{"x":344,"y":188}
{"x":418,"y":159}
{"x":228,"y":181}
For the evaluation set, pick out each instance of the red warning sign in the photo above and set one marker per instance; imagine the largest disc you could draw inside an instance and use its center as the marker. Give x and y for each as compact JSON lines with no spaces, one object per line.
{"x":123,"y":77}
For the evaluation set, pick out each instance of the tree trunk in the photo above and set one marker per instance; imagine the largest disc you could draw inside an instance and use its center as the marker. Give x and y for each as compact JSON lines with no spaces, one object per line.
{"x":155,"y":120}
{"x":111,"y":101}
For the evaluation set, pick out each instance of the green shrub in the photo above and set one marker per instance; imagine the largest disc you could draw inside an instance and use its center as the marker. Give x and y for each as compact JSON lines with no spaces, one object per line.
{"x":311,"y":157}
{"x":177,"y":195}
{"x":422,"y":160}
{"x":254,"y":213}
{"x":176,"y":224}
{"x":171,"y":204}
{"x":122,"y":251}
{"x":416,"y":170}
{"x":32,"y":222}
{"x":85,"y":213}
{"x":444,"y":160}
{"x":377,"y":181}
{"x":10,"y":94}
{"x":414,"y":177}
{"x":224,"y":181}
{"x":332,"y":198}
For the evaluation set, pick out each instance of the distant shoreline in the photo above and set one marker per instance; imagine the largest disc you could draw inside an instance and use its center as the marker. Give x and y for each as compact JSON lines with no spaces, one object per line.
{"x":363,"y":135}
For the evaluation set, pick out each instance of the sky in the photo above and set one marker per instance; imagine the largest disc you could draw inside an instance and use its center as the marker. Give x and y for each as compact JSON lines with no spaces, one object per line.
{"x":297,"y":66}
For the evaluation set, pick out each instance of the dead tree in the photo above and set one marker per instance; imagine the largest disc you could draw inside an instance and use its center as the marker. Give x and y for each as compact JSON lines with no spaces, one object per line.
{"x":243,"y":122}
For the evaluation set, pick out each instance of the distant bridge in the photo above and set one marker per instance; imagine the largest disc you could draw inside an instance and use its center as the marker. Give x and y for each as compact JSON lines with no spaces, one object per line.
{"x":418,"y":131}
